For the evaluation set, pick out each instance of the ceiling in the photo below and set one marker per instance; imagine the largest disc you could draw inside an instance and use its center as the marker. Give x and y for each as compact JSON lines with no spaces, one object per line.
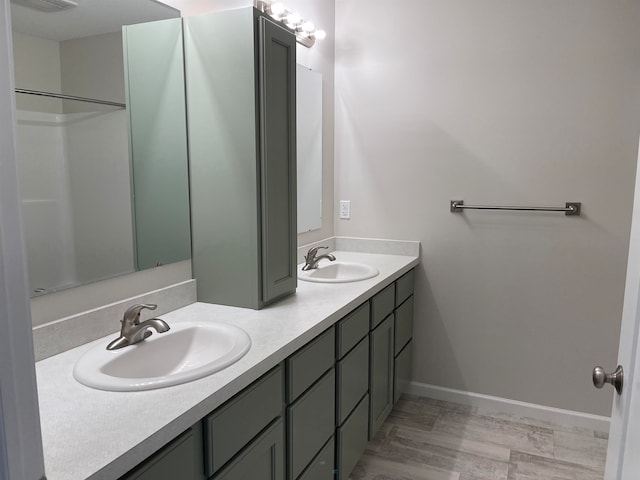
{"x":90,"y":17}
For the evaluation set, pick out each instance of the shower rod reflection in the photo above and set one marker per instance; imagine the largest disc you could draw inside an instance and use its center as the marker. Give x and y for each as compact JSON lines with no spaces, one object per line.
{"x":62,"y":96}
{"x":570,"y":208}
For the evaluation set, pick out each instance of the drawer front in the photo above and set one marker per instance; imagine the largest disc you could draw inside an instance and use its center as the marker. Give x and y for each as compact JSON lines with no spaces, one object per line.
{"x":309,"y":363}
{"x":263,"y":459}
{"x":382,"y":305}
{"x":321,"y":467}
{"x":404,"y":286}
{"x":352,"y":439}
{"x":311,"y":421}
{"x":237,"y":422}
{"x":353,"y":379}
{"x":352,"y":328}
{"x":404,"y":325}
{"x":402,"y":373}
{"x":182,"y":458}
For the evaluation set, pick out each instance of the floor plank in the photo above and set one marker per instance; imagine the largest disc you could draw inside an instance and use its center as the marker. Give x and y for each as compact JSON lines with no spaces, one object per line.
{"x":427,"y":439}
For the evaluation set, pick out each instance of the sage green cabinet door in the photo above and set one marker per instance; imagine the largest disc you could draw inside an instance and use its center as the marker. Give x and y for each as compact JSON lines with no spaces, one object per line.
{"x":352,"y":328}
{"x":404,"y":286}
{"x":404,"y":324}
{"x":278,"y":159}
{"x":352,"y":439}
{"x":381,"y":374}
{"x":309,"y":363}
{"x":261,"y":460}
{"x":382,"y":304}
{"x":310,"y":423}
{"x":321,"y":467}
{"x":232,"y":426}
{"x":182,"y":458}
{"x":402,"y":375}
{"x":353,"y":379}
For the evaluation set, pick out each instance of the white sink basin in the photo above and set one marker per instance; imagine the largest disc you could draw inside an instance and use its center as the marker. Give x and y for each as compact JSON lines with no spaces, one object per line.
{"x":186,"y":352}
{"x":339,"y":272}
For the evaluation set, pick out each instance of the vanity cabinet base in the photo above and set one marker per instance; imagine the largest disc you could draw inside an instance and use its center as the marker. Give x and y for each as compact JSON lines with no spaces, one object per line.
{"x":311,"y":417}
{"x":262,"y":460}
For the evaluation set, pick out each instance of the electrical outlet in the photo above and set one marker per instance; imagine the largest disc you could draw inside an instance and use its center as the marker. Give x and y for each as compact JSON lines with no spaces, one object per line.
{"x":345,"y":209}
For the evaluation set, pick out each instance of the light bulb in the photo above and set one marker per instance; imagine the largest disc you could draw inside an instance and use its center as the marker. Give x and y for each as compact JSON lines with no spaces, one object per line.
{"x":276,"y":9}
{"x":320,"y":34}
{"x":293,"y":19}
{"x":307,"y":27}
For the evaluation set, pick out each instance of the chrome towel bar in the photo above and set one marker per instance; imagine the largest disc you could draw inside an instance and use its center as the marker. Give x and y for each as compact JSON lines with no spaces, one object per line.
{"x":570,"y":208}
{"x":69,"y":97}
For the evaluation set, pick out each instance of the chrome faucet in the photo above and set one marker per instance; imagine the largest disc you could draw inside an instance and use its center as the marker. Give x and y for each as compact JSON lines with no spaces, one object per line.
{"x":311,"y":260}
{"x":133,"y":331}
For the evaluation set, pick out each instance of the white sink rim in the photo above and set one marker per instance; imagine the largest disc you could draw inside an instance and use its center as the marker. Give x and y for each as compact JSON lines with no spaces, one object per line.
{"x":323,"y":273}
{"x":88,"y":369}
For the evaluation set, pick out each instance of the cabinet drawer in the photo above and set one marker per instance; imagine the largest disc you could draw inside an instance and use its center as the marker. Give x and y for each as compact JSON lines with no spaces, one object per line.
{"x":352,"y":328}
{"x":311,"y":420}
{"x":402,"y":372}
{"x":352,"y":439}
{"x":233,"y":425}
{"x":382,"y":305}
{"x":353,"y":379}
{"x":263,"y":459}
{"x":321,"y":467}
{"x":404,"y":286}
{"x":404,"y":325}
{"x":309,"y":363}
{"x":182,"y":458}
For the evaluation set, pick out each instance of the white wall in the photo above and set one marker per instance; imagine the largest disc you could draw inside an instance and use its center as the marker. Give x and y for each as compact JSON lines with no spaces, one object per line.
{"x":46,"y":201}
{"x":92,"y":67}
{"x":97,"y":145}
{"x":37,"y":67}
{"x":497,"y":102}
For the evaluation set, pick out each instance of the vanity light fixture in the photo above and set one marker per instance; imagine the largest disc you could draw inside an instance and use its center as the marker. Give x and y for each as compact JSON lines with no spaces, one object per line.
{"x":306,"y":33}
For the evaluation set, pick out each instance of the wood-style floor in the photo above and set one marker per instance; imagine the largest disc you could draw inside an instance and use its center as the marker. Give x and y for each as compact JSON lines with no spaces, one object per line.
{"x":425,"y":439}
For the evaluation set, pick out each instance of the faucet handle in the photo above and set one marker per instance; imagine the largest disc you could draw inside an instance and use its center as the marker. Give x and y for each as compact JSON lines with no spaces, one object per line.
{"x":313,"y":251}
{"x":132,"y":313}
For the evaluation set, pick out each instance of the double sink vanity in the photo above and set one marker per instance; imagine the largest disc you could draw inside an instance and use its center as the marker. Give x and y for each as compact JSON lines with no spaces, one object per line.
{"x":285,"y":372}
{"x":298,"y":403}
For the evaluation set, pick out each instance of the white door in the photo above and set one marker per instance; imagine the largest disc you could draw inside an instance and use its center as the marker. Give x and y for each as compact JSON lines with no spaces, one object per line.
{"x":623,"y":455}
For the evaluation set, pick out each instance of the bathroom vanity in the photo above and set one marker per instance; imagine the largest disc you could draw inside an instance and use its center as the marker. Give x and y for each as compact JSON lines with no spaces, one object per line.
{"x":311,"y":414}
{"x":322,"y":374}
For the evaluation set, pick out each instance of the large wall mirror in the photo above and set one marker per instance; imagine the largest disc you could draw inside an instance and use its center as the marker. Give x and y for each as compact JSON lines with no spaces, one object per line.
{"x":103,"y":177}
{"x":309,"y":148}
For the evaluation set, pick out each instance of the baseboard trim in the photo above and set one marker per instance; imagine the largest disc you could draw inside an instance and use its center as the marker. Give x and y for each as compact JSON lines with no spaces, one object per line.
{"x":490,"y":403}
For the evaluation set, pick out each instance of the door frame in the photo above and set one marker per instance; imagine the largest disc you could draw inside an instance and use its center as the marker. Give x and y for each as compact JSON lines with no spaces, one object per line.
{"x":624,"y":441}
{"x":21,"y":455}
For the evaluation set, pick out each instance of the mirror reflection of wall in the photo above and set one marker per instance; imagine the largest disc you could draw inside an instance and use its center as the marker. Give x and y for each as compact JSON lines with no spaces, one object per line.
{"x":74,"y":163}
{"x":309,"y":148}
